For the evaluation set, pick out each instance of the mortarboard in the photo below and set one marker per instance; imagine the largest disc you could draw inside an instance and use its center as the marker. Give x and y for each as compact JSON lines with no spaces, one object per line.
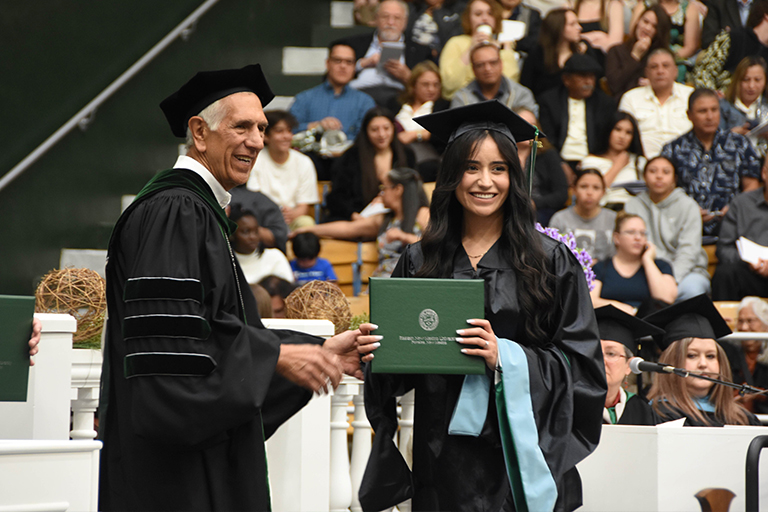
{"x":696,"y":317}
{"x":450,"y":124}
{"x":208,"y":86}
{"x":616,"y":325}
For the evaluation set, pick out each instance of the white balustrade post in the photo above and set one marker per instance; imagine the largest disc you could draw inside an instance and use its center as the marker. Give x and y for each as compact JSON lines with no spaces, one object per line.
{"x":86,"y":377}
{"x":361,"y":446}
{"x":407,"y":404}
{"x":45,"y":414}
{"x":341,"y":484}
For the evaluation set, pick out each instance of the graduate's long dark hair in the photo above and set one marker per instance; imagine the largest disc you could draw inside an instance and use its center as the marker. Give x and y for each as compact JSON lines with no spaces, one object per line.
{"x":520,"y":243}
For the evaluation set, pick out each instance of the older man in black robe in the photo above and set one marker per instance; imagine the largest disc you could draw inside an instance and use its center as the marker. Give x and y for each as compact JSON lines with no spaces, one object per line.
{"x":193,"y":383}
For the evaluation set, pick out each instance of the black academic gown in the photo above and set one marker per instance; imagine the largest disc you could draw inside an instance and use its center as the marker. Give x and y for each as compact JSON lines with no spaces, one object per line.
{"x":638,"y":412}
{"x":189,"y":390}
{"x":669,"y":413}
{"x":567,"y":383}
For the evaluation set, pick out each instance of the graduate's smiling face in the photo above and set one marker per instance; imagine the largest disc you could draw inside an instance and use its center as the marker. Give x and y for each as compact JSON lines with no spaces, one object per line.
{"x":484,"y":186}
{"x":230,"y":151}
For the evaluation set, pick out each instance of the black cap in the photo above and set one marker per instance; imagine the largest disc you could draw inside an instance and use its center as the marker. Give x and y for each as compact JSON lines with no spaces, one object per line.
{"x":582,"y":63}
{"x":616,"y":325}
{"x":208,"y":86}
{"x":449,"y":124}
{"x":695,"y":318}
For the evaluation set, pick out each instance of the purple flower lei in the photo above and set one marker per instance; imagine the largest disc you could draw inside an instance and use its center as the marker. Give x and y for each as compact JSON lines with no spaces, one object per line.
{"x":581,"y":254}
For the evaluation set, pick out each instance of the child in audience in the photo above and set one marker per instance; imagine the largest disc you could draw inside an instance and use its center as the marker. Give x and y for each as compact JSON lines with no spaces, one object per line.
{"x":590,"y":224}
{"x":256,"y":261}
{"x":307,"y":266}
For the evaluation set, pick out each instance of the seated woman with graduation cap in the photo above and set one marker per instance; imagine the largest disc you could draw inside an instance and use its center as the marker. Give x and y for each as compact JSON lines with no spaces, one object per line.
{"x":508,"y":439}
{"x":619,"y":333}
{"x":691,"y":328}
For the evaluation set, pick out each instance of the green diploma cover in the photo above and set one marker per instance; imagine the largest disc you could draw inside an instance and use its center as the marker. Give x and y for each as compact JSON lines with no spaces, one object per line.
{"x":15,"y":329}
{"x":418,"y":319}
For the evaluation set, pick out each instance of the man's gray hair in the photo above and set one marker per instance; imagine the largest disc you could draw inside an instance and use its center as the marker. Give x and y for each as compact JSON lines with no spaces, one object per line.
{"x":759,"y":308}
{"x":213,"y":115}
{"x":401,"y":3}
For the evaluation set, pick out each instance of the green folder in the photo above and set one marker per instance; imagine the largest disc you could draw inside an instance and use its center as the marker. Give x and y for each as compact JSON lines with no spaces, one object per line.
{"x":15,"y":329}
{"x":418,"y":319}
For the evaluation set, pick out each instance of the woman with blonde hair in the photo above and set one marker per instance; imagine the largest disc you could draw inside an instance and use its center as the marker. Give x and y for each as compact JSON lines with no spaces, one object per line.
{"x":481,"y":21}
{"x":691,"y":328}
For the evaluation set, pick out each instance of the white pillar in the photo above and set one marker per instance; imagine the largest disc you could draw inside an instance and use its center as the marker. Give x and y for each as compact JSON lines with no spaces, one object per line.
{"x":86,"y":377}
{"x":45,"y":414}
{"x":361,"y":446}
{"x":341,"y":484}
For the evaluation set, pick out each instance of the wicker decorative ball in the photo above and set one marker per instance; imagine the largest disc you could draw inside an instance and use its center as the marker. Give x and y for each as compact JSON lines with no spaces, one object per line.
{"x":320,"y":300}
{"x":80,"y":292}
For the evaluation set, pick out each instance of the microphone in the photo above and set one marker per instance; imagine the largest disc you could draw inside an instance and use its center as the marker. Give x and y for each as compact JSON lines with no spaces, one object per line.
{"x":640,"y":365}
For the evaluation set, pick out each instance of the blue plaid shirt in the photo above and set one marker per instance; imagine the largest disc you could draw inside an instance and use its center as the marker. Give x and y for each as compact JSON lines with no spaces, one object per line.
{"x":319,"y":102}
{"x":712,"y":177}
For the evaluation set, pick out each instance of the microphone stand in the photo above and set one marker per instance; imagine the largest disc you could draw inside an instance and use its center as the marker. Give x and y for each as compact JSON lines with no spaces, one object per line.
{"x":743,"y":388}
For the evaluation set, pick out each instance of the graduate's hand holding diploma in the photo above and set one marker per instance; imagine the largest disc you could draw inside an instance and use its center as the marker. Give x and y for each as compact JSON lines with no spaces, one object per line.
{"x":480,"y":341}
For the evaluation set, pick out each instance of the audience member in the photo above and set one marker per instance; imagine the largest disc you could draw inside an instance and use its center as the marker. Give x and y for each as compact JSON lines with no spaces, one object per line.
{"x":422,"y":97}
{"x":528,"y":15}
{"x":431,"y":23}
{"x":660,"y":106}
{"x":711,"y":163}
{"x":333,"y":105}
{"x":273,"y":231}
{"x":633,"y":280}
{"x":358,"y":173}
{"x":747,"y":217}
{"x":308,"y":266}
{"x":691,"y":328}
{"x":550,"y":186}
{"x":619,"y":333}
{"x":685,"y":32}
{"x":278,"y":289}
{"x":256,"y":261}
{"x":559,"y":39}
{"x":480,"y":21}
{"x":263,"y":300}
{"x":602,"y":22}
{"x":286,"y":176}
{"x":744,"y":105}
{"x":714,"y":67}
{"x":744,"y":356}
{"x":403,"y":194}
{"x":591,"y":225}
{"x":575,"y":115}
{"x":384,"y":80}
{"x":490,"y":83}
{"x":619,"y":158}
{"x":625,"y":63}
{"x":723,"y":15}
{"x":673,"y":223}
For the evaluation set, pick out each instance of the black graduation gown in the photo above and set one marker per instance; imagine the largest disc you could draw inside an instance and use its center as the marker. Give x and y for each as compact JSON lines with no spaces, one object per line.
{"x":567,"y":383}
{"x":638,"y":412}
{"x":669,"y":413}
{"x":185,"y":431}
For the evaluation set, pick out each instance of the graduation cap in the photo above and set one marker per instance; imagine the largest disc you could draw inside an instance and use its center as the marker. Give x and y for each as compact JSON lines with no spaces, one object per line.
{"x":616,"y":325}
{"x":208,"y":86}
{"x":448,"y":125}
{"x":696,"y":317}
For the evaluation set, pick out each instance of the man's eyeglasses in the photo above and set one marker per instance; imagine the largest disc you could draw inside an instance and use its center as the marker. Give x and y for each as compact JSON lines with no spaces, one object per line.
{"x":336,"y":60}
{"x":612,"y":356}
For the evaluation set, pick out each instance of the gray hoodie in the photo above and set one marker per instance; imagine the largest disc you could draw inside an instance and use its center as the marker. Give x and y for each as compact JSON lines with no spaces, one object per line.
{"x":674,"y":227}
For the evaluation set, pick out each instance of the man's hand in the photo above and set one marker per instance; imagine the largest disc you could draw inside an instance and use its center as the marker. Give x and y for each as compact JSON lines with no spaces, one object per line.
{"x":309,"y":366}
{"x":370,"y":62}
{"x":328,"y":123}
{"x":37,"y":327}
{"x":398,"y":70}
{"x":761,"y":268}
{"x":353,"y":346}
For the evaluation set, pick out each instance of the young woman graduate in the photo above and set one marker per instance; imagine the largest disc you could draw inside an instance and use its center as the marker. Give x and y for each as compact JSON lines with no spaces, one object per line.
{"x":619,"y":333}
{"x":509,"y":439}
{"x":692,"y":326}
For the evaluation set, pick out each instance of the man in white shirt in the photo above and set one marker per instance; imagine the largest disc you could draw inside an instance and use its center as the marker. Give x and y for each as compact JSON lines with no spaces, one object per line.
{"x":661,"y":107}
{"x":286,"y":176}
